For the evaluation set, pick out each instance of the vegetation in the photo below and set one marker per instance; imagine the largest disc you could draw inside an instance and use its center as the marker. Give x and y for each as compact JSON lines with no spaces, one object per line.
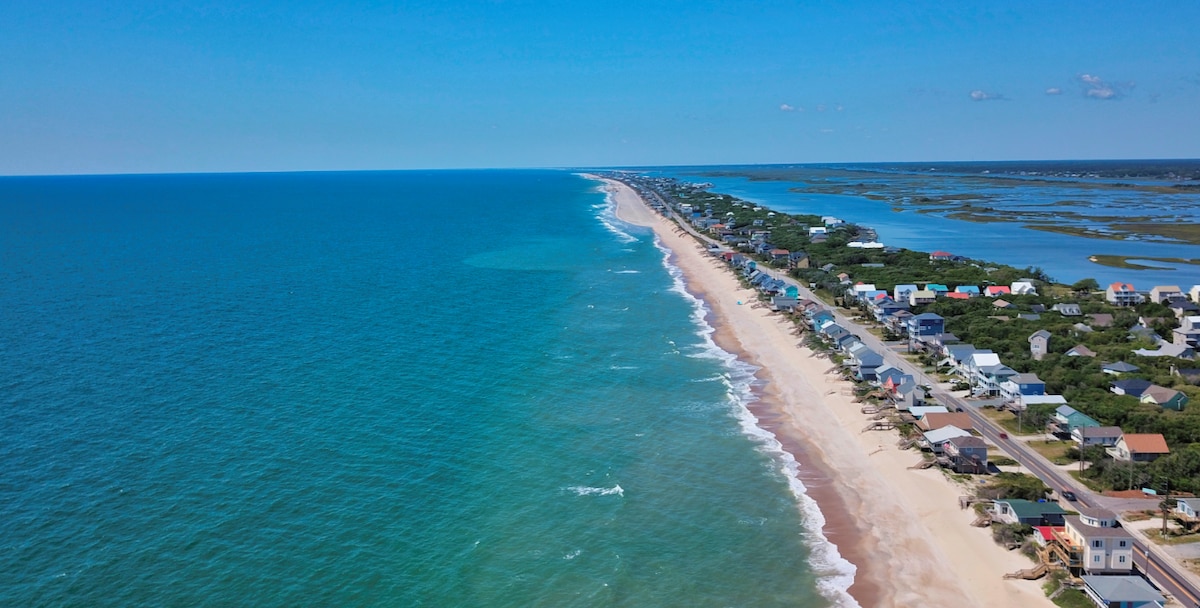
{"x":1010,"y":534}
{"x":977,"y":321}
{"x":1013,"y":485}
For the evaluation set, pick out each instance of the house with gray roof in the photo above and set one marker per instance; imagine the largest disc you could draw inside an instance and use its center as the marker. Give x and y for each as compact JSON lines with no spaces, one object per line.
{"x":1128,"y":591}
{"x":1067,"y":310}
{"x":1106,"y":436}
{"x":1039,"y":344}
{"x":1080,"y":350}
{"x":1118,"y":367}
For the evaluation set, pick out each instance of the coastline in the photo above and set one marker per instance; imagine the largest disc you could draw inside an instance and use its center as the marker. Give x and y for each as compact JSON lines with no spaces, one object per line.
{"x":901,"y":528}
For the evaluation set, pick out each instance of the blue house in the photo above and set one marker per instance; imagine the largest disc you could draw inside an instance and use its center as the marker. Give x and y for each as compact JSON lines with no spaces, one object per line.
{"x":926,"y":324}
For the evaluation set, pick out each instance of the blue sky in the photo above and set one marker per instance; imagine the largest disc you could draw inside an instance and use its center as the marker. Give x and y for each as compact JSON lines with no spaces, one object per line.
{"x":220,"y":86}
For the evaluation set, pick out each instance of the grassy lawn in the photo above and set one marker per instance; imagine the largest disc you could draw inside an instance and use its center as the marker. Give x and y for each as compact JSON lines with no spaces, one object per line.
{"x":1008,"y":421}
{"x":1054,"y":451}
{"x":1089,"y":483}
{"x":1158,"y":538}
{"x":1073,"y":598}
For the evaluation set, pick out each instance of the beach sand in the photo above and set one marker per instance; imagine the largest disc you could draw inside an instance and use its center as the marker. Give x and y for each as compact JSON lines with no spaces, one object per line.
{"x":902,"y":528}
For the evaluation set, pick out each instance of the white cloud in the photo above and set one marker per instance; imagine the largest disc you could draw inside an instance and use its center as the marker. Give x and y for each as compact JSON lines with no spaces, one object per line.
{"x":1095,"y":87}
{"x":786,"y":108}
{"x":1054,"y":91}
{"x":981,"y":95}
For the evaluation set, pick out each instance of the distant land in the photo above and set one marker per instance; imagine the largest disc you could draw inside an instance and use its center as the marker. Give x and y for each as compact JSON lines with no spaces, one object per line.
{"x":1113,"y":220}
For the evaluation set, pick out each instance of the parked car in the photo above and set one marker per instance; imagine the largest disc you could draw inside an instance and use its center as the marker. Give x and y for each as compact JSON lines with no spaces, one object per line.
{"x":1069,"y":495}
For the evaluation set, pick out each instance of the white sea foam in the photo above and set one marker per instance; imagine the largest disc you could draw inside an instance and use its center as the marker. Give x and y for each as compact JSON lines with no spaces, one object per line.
{"x":592,"y":491}
{"x":607,"y":214}
{"x":627,"y":272}
{"x":572,"y":555}
{"x":834,"y":573}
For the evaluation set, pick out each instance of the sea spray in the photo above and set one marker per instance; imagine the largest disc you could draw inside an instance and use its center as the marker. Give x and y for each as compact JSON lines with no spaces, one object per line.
{"x":835,"y":573}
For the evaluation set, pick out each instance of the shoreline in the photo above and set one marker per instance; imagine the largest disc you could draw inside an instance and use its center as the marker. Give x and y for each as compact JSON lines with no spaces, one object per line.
{"x":901,"y":528}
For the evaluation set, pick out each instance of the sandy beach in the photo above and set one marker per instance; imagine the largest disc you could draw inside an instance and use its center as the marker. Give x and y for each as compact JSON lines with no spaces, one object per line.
{"x":902,"y":528}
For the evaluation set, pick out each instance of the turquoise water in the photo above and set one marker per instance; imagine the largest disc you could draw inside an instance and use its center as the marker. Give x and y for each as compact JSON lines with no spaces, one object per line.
{"x":392,"y":389}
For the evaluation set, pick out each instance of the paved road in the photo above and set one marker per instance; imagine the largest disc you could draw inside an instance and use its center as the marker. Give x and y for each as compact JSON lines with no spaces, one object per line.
{"x":1160,"y":568}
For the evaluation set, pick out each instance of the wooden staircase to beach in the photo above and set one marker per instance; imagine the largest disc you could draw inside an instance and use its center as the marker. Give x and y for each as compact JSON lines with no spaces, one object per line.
{"x":1029,"y":574}
{"x":924,"y":464}
{"x":880,"y":425}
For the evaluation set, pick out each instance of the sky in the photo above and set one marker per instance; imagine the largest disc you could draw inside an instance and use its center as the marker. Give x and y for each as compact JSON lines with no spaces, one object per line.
{"x":148,"y":87}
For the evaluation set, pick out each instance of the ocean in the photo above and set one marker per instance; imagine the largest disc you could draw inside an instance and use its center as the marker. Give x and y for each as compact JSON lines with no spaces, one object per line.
{"x":459,"y":388}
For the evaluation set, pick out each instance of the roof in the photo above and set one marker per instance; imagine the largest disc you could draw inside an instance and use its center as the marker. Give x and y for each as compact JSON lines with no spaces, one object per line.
{"x":1090,"y":532}
{"x":1121,"y":287}
{"x":937,"y":420}
{"x":981,"y":359}
{"x":1047,"y":532}
{"x":1082,"y":351}
{"x":1132,"y":386}
{"x":1123,"y":589}
{"x":1100,"y":431}
{"x":1119,"y":366}
{"x":958,"y":295}
{"x":1027,"y":508}
{"x":1041,"y":333}
{"x":944,"y":434}
{"x":1065,"y":410}
{"x":1160,"y":394}
{"x":1042,"y":399}
{"x":1001,"y":303}
{"x":968,"y":442}
{"x":1146,"y":443}
{"x":923,"y":410}
{"x":1101,"y":319}
{"x":1026,"y":379}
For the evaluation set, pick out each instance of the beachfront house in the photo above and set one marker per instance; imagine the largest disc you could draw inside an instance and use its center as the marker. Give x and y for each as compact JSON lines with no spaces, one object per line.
{"x":933,"y":421}
{"x":1039,"y":344}
{"x":1017,"y":385}
{"x":1166,"y":398}
{"x":864,"y":361}
{"x":1130,"y":591}
{"x":935,"y":440}
{"x":1020,"y":511}
{"x":1107,"y":436}
{"x":907,"y":396}
{"x":966,"y":454}
{"x":1066,"y":419}
{"x":925,"y":324}
{"x":1091,"y":543}
{"x":1122,"y":294}
{"x":1139,"y":447}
